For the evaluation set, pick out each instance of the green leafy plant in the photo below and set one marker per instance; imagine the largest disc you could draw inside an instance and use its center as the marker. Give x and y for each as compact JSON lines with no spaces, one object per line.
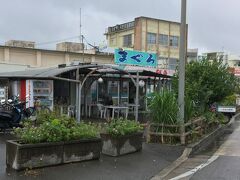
{"x":121,"y":127}
{"x":164,"y":108}
{"x":210,"y":117}
{"x":84,"y":131}
{"x":207,"y":82}
{"x":164,"y":111}
{"x":189,"y":109}
{"x":55,"y":129}
{"x":229,"y":100}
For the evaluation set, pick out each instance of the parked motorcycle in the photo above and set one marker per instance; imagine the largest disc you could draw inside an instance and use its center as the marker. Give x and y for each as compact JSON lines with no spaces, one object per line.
{"x":12,"y":112}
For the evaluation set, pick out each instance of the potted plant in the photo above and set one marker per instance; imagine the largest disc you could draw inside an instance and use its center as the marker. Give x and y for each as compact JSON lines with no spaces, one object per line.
{"x":121,"y":136}
{"x":56,"y":140}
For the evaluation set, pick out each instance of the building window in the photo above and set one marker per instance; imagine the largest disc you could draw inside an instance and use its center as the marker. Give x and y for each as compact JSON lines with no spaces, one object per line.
{"x":151,"y":38}
{"x":127,"y":40}
{"x":163,"y":39}
{"x":173,"y":41}
{"x":172,"y":63}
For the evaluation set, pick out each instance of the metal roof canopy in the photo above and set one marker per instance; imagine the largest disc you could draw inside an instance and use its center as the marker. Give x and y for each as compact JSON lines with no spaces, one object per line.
{"x":51,"y":73}
{"x":87,"y":70}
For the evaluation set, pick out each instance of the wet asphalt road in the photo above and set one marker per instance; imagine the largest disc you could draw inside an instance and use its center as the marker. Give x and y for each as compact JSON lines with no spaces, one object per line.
{"x":224,"y":168}
{"x":137,"y":166}
{"x":227,"y":165}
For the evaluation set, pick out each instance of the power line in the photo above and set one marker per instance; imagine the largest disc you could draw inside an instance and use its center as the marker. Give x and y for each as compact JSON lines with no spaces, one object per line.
{"x":96,"y":47}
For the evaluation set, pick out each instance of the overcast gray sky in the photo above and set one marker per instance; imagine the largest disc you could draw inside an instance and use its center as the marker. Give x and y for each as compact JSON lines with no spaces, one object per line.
{"x":213,"y":24}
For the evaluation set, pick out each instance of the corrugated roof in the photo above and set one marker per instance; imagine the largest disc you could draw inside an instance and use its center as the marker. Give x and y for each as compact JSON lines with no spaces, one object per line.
{"x":36,"y":73}
{"x":49,"y":73}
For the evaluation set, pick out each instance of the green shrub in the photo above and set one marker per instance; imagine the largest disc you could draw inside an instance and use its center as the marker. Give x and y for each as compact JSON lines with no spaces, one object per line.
{"x":164,"y":107}
{"x":215,"y":117}
{"x":207,"y":82}
{"x":55,"y":130}
{"x":210,"y":117}
{"x":84,"y":131}
{"x":121,"y":127}
{"x":229,"y":100}
{"x":189,"y":109}
{"x":29,"y":135}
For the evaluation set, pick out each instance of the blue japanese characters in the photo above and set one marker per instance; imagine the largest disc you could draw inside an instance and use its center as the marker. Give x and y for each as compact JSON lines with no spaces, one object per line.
{"x":135,"y":58}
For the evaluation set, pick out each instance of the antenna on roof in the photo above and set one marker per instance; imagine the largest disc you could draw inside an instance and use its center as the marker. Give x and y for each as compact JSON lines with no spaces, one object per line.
{"x":80,"y":25}
{"x":80,"y":31}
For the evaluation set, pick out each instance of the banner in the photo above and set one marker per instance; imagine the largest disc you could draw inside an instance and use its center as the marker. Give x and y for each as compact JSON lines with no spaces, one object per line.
{"x":135,"y":58}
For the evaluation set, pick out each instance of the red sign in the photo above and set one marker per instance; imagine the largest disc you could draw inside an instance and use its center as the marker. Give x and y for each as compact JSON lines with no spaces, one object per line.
{"x":165,"y":72}
{"x":235,"y":71}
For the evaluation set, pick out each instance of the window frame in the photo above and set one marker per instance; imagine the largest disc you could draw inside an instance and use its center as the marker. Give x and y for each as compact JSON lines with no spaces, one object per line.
{"x":162,"y":40}
{"x":150,"y":39}
{"x":174,"y":41}
{"x":128,"y":40}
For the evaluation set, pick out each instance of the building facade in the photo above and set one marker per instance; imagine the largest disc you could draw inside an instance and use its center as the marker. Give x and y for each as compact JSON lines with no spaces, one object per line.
{"x":234,"y":60}
{"x":192,"y":55}
{"x":219,"y":56}
{"x":20,"y":54}
{"x":148,"y":35}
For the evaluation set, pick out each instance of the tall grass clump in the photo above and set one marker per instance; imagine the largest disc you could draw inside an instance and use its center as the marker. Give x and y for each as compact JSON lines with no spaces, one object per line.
{"x":189,"y":109}
{"x":164,"y":107}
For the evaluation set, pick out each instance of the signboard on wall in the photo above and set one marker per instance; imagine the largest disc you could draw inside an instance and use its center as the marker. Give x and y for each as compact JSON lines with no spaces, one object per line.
{"x":226,"y":109}
{"x":137,"y":58}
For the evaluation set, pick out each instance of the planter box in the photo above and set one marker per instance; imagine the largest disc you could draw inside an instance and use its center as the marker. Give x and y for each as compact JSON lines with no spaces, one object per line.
{"x":22,"y":156}
{"x":82,"y":150}
{"x":116,"y":146}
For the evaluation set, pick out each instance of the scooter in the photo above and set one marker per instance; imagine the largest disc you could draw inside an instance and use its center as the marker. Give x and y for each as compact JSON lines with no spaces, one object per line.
{"x":12,"y":112}
{"x":9,"y":117}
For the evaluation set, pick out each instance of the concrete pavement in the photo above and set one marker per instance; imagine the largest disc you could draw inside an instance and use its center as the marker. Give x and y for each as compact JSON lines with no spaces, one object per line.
{"x":141,"y":165}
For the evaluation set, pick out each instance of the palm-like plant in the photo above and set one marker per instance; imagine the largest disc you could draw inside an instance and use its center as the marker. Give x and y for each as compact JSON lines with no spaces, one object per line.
{"x":164,"y":107}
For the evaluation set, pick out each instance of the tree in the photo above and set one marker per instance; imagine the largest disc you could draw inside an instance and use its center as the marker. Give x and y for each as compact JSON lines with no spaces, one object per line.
{"x":207,"y":82}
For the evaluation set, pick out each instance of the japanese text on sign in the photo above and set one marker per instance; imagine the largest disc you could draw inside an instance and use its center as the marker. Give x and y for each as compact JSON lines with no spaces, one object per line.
{"x":135,"y":58}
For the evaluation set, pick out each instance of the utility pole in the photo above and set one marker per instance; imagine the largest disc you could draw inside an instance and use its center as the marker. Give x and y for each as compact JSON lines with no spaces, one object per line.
{"x":182,"y":62}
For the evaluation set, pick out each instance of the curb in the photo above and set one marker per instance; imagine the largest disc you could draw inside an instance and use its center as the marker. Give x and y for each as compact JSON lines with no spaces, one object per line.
{"x":194,"y":148}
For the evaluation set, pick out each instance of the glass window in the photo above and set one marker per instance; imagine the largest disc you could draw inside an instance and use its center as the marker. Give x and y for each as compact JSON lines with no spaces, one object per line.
{"x":151,"y":38}
{"x":163,"y":39}
{"x":173,"y":41}
{"x":127,"y":40}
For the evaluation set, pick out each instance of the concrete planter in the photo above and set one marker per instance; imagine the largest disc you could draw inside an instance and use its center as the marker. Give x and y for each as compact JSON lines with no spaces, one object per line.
{"x":116,"y":146}
{"x":82,"y":150}
{"x":22,"y":156}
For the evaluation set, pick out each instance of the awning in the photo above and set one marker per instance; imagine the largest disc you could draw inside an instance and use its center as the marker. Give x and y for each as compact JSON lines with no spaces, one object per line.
{"x":49,"y":73}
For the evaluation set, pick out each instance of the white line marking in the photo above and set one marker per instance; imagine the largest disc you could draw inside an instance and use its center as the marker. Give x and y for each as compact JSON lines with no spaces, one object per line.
{"x":191,"y":172}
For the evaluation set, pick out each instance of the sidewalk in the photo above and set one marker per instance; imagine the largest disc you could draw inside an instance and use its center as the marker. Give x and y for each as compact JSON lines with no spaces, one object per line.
{"x":141,"y":165}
